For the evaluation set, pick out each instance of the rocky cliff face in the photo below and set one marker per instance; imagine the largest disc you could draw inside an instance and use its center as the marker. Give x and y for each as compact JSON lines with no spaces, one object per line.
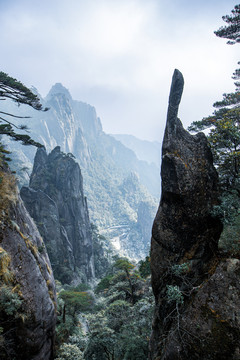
{"x":195,"y":316}
{"x":27,"y":288}
{"x":56,"y":201}
{"x":105,"y":162}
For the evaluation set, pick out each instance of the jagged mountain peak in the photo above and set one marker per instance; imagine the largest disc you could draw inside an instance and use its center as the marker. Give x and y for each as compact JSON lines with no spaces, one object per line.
{"x":56,"y":201}
{"x":41,"y":155}
{"x":58,"y":88}
{"x":55,"y":153}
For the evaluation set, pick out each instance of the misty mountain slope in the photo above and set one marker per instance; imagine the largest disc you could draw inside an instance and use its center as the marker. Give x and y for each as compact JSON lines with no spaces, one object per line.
{"x":145,"y":150}
{"x":105,"y":162}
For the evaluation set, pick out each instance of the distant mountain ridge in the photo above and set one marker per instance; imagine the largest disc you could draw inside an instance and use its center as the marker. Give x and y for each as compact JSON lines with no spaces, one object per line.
{"x":105,"y":163}
{"x":149,"y":151}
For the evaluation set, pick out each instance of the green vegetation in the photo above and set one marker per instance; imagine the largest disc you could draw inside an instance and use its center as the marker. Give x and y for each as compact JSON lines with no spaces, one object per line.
{"x":174,"y":294}
{"x":115,"y":321}
{"x":75,"y":300}
{"x":10,"y":301}
{"x":180,"y":269}
{"x":224,"y":124}
{"x":224,"y":138}
{"x":230,"y":238}
{"x":11,"y":305}
{"x":144,"y":268}
{"x":71,"y":302}
{"x":232,"y":30}
{"x":69,"y":352}
{"x":13,"y":89}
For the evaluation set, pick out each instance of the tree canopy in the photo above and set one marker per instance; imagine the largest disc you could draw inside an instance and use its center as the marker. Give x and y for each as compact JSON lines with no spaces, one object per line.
{"x":224,"y":138}
{"x":106,"y":325}
{"x":224,"y":123}
{"x":14,"y":90}
{"x":232,"y":30}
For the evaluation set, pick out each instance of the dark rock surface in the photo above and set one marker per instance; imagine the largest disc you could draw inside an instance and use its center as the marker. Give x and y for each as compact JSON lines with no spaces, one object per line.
{"x":185,"y":238}
{"x":31,"y":335}
{"x":56,"y":202}
{"x":211,"y":324}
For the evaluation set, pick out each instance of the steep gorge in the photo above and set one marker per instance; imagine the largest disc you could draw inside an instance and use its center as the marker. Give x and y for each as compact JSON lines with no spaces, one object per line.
{"x":106,"y":166}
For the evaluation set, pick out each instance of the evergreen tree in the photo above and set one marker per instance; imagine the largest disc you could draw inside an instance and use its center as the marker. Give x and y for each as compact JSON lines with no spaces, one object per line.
{"x":224,"y":138}
{"x":232,"y":30}
{"x":120,"y":327}
{"x":13,"y":89}
{"x":224,"y":124}
{"x":115,"y":327}
{"x":144,"y":267}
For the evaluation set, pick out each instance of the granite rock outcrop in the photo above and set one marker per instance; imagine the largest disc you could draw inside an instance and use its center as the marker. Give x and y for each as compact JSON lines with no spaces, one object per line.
{"x":56,"y":201}
{"x":194,"y":304}
{"x":27,"y":286}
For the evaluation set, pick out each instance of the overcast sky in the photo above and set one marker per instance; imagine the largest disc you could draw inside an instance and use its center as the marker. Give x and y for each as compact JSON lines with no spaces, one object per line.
{"x":119,"y":55}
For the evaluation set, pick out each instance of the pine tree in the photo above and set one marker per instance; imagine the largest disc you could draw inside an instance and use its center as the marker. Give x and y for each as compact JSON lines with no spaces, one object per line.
{"x":13,"y":89}
{"x":224,"y":138}
{"x":224,"y":124}
{"x":232,"y":30}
